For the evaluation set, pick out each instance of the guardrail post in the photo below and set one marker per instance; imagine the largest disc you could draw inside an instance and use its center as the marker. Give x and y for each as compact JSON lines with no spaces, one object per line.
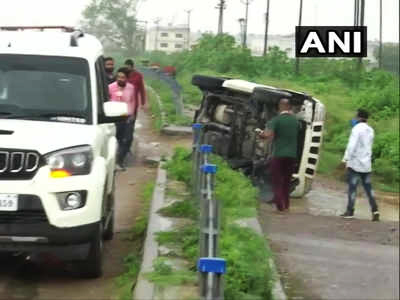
{"x":196,"y":154}
{"x":210,"y":282}
{"x":205,"y":151}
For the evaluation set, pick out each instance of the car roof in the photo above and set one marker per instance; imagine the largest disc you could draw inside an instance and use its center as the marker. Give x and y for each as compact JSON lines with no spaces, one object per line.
{"x":50,"y":43}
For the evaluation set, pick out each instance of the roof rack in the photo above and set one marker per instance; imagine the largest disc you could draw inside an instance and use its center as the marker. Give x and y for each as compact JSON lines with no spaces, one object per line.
{"x":41,"y":28}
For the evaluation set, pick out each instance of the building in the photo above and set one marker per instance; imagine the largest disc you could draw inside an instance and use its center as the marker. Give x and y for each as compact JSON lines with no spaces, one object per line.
{"x":168,"y":38}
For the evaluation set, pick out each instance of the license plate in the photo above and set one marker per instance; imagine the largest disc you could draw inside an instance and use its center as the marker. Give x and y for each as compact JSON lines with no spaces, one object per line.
{"x":8,"y":202}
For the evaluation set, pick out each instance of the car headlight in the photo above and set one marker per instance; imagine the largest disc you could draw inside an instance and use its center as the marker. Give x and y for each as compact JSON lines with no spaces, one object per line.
{"x":70,"y":162}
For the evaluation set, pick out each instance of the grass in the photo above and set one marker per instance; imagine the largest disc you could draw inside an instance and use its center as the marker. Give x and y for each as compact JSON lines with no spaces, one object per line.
{"x":180,"y":209}
{"x":155,"y":110}
{"x":164,"y":275}
{"x":247,"y":253}
{"x":133,"y":260}
{"x":168,"y":105}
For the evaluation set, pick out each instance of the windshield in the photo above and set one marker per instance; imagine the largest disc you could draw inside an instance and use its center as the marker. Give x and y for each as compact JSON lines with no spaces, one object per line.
{"x":45,"y":87}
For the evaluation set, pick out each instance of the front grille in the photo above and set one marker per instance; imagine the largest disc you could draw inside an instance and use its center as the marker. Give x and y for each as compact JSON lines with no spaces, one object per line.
{"x":19,"y":164}
{"x":30,"y":211}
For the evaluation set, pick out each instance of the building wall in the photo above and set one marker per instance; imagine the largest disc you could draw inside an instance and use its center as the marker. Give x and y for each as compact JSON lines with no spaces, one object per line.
{"x":167,"y":39}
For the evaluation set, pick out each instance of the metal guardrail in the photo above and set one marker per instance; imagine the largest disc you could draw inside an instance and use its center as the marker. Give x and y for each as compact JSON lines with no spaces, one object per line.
{"x":171,"y":82}
{"x":210,"y":266}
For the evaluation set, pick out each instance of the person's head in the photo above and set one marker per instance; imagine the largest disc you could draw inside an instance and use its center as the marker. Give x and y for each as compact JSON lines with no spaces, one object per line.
{"x":362,"y":115}
{"x":130,"y":64}
{"x":109,"y":65}
{"x":284,"y":105}
{"x":122,"y":76}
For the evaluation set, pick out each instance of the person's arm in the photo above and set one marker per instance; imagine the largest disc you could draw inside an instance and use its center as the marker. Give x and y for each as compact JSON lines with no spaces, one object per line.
{"x":133,"y":103}
{"x":351,"y":145}
{"x":269,"y":133}
{"x":142,"y":91}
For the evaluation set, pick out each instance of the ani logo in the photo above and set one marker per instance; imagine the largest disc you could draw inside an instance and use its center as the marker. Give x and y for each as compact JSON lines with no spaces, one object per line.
{"x":331,"y":41}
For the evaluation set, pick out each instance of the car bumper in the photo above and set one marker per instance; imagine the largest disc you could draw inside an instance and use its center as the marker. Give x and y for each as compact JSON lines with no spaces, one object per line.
{"x":67,"y":243}
{"x":46,"y":190}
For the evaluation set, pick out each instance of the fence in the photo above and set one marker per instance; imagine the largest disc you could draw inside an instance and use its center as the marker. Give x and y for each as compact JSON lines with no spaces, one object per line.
{"x":171,"y":82}
{"x":210,"y":267}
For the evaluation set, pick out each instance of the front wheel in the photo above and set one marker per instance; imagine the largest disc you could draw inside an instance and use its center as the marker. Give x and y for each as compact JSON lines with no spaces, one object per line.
{"x":92,"y":267}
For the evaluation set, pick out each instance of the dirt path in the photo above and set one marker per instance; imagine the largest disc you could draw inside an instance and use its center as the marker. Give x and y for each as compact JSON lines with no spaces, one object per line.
{"x":50,"y":279}
{"x":322,"y":256}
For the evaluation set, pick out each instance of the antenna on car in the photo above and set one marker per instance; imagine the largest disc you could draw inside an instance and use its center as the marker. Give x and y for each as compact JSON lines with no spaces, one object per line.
{"x":75,"y":36}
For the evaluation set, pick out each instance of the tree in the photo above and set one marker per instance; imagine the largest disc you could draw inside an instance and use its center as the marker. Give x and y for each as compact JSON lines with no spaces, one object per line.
{"x":114,"y":23}
{"x":390,"y":57}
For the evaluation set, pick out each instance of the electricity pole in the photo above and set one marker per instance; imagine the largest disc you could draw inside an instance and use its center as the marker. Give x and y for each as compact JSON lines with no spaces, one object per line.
{"x":247,"y":3}
{"x":189,"y":12}
{"x":157,"y":22}
{"x":361,"y":24}
{"x":380,"y":36}
{"x":266,"y":30}
{"x":221,"y":6}
{"x":300,"y":16}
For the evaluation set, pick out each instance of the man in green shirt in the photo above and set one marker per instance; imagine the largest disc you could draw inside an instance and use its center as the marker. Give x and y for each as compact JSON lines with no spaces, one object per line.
{"x":283,"y":131}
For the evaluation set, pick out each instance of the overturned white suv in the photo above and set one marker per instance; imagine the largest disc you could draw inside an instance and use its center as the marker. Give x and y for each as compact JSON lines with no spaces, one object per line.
{"x":57,"y":145}
{"x":231,"y":111}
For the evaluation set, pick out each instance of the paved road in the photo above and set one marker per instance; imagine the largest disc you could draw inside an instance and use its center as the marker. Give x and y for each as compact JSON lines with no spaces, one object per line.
{"x":50,"y":279}
{"x":322,"y":256}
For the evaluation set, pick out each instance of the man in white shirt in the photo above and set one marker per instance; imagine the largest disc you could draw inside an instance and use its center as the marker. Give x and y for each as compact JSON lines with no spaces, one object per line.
{"x":358,"y":161}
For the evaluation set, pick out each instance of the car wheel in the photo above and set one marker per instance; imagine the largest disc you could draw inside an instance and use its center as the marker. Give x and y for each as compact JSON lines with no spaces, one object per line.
{"x":109,"y":229}
{"x":208,"y":83}
{"x":92,"y":267}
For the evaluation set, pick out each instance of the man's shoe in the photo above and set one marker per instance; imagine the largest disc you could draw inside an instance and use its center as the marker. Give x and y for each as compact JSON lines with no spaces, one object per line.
{"x":120,"y":168}
{"x":375,"y":216}
{"x":348,"y":215}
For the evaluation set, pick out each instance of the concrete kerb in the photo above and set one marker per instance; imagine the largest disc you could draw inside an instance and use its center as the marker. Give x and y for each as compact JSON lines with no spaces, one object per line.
{"x":278,"y":292}
{"x":145,"y":290}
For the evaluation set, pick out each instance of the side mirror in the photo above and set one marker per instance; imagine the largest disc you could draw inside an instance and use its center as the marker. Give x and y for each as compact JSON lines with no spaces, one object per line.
{"x":114,"y":109}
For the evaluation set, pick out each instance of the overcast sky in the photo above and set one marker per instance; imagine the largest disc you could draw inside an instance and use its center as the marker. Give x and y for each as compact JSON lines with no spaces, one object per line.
{"x":283,"y":14}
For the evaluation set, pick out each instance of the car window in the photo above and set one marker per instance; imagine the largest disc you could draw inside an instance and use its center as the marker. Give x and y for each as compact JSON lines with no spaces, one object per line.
{"x":44,"y":84}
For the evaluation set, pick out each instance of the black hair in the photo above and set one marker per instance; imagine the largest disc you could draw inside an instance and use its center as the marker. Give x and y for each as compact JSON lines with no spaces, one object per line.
{"x":124,"y":70}
{"x":108,"y":58}
{"x":129,"y":62}
{"x":362,"y":114}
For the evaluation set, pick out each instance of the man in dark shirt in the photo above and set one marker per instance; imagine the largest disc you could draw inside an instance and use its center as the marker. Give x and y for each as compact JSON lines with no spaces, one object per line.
{"x":136,"y":79}
{"x":109,"y":67}
{"x":283,"y":131}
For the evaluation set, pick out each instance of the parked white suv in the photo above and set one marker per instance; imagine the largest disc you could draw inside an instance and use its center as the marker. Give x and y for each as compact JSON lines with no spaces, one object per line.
{"x":57,"y":145}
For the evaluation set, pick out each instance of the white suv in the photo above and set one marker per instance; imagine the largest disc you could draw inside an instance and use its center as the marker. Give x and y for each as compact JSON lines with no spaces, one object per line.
{"x":57,"y":145}
{"x":231,"y":110}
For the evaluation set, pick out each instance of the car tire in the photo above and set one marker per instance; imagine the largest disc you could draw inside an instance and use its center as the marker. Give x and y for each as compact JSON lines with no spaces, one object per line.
{"x":268,"y":96}
{"x":92,"y":267}
{"x":208,"y":83}
{"x":108,"y":234}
